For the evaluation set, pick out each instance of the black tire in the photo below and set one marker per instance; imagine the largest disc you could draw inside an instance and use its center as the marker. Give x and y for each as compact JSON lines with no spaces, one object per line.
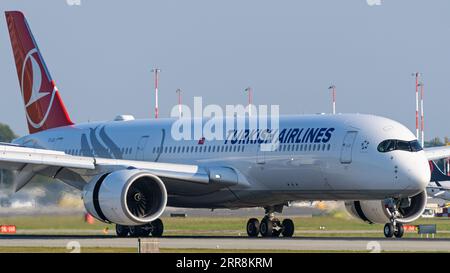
{"x":138,"y":231}
{"x":145,"y":230}
{"x":288,"y":228}
{"x":266,"y":228}
{"x":157,"y":228}
{"x":388,"y":230}
{"x":252,"y":227}
{"x":122,"y":231}
{"x":400,"y":230}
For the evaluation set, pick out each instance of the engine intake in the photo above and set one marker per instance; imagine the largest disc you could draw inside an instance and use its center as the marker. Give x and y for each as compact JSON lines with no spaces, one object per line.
{"x":126,"y":197}
{"x":381,"y":211}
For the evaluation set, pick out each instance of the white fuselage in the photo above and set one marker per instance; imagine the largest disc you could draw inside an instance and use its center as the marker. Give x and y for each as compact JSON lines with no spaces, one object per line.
{"x":338,"y":160}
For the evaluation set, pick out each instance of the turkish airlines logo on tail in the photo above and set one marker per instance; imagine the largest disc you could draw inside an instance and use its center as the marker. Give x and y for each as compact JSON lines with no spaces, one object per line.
{"x":35,"y":88}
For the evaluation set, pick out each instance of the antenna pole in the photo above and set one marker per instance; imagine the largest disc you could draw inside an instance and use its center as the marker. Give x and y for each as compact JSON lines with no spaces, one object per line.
{"x":333,"y":95}
{"x":422,"y":139}
{"x":156,"y":71}
{"x":179,"y":102}
{"x":249,"y":90}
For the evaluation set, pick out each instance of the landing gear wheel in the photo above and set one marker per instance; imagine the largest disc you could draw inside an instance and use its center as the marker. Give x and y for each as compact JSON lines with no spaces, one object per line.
{"x":399,"y":231}
{"x":253,"y":227}
{"x":388,"y":230}
{"x":145,"y":230}
{"x":138,"y":231}
{"x":134,"y":232}
{"x":266,"y":228}
{"x":122,"y":231}
{"x":157,"y":228}
{"x":288,"y":228}
{"x":277,"y":228}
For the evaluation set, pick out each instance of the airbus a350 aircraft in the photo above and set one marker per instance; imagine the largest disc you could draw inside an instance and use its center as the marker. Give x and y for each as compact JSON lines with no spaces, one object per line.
{"x":130,"y":170}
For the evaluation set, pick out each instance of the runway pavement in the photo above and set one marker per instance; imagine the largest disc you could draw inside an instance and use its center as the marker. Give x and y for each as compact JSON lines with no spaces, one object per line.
{"x":219,"y":242}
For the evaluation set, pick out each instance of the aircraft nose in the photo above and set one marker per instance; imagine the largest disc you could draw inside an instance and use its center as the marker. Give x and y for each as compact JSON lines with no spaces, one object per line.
{"x":419,"y":172}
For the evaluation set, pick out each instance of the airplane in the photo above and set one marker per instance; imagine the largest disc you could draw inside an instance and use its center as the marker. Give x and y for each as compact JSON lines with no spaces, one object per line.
{"x":435,"y":189}
{"x":439,"y":192}
{"x":129,"y":170}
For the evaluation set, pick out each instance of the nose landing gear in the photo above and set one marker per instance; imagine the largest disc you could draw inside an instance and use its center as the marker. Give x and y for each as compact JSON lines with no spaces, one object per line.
{"x":394,"y":229}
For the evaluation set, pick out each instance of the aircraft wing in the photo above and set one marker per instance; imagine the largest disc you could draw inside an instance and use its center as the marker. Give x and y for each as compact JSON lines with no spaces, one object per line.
{"x":436,"y":153}
{"x":78,"y":170}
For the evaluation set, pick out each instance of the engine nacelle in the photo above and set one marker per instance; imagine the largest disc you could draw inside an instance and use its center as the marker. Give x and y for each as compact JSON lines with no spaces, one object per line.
{"x":381,"y":211}
{"x":126,"y":197}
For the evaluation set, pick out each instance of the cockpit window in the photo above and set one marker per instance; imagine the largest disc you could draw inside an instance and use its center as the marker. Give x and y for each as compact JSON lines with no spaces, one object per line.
{"x":415,"y":146}
{"x":402,"y":145}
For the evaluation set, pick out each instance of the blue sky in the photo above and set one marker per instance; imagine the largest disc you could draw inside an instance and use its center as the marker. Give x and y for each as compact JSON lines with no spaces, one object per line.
{"x":101,"y":53}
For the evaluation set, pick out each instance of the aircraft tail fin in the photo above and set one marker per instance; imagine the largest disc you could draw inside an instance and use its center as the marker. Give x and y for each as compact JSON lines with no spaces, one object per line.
{"x":44,"y":107}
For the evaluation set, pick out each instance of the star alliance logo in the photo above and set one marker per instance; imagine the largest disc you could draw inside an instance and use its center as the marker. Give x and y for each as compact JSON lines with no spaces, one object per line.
{"x":365,"y":145}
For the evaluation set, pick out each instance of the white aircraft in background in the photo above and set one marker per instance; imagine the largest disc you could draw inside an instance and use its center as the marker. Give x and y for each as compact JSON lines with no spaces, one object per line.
{"x":130,"y":170}
{"x":438,"y":190}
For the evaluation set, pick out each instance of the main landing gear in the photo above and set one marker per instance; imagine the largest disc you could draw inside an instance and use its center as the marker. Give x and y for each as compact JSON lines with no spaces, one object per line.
{"x":153,"y":229}
{"x":270,"y":226}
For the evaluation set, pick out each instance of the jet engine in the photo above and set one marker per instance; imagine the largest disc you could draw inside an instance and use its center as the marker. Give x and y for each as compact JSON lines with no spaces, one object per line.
{"x":126,"y":197}
{"x":404,"y":210}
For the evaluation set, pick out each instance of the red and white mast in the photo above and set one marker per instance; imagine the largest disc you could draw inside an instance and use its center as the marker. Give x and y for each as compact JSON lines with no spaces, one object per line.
{"x":422,"y":137}
{"x":417,"y":104}
{"x":179,"y":102}
{"x":156,"y":71}
{"x":333,"y":94}
{"x":249,"y":90}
